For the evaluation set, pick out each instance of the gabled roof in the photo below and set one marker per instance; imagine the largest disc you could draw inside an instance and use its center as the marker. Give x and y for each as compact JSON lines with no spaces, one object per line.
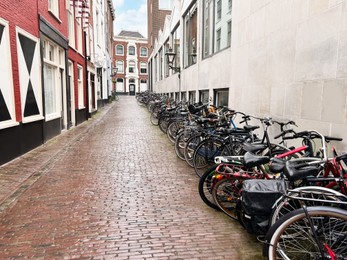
{"x":130,"y":34}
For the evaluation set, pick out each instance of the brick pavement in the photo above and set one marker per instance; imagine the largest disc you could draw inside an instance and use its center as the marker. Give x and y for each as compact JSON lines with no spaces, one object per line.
{"x":112,"y":188}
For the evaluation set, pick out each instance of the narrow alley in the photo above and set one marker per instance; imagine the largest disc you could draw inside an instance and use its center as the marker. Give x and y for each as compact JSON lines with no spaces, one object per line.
{"x":112,"y":188}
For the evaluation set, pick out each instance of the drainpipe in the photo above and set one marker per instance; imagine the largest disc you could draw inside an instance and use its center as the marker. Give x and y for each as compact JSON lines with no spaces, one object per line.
{"x":86,"y":74}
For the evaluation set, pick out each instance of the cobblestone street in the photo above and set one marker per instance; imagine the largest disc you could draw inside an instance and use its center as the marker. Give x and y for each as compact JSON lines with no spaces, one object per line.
{"x":112,"y":188}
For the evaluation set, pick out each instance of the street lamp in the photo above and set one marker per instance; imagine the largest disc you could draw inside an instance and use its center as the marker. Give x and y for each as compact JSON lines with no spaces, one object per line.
{"x":114,"y":71}
{"x":170,"y":58}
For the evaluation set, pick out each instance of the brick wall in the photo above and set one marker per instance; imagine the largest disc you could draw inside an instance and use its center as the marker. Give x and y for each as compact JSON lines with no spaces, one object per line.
{"x":156,"y":19}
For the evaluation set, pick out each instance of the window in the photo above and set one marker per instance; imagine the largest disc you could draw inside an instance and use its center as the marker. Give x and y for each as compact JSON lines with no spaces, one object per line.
{"x":7,"y":103}
{"x":221,"y":97}
{"x":80,"y":86}
{"x":131,"y":66}
{"x":204,"y":96}
{"x":71,"y":25}
{"x":161,"y":64}
{"x":219,"y":10}
{"x":192,"y":96}
{"x":208,"y":28}
{"x":120,"y":66}
{"x":229,"y":34}
{"x":143,"y":52}
{"x":53,"y":7}
{"x":120,"y":85}
{"x":131,"y":80}
{"x":143,"y":81}
{"x":49,"y":72}
{"x":131,"y":50}
{"x":143,"y":68}
{"x":230,"y":5}
{"x":97,"y":27}
{"x":218,"y":38}
{"x":53,"y":71}
{"x":216,"y":27}
{"x":176,"y":38}
{"x":119,"y":50}
{"x":190,"y":36}
{"x":79,"y":34}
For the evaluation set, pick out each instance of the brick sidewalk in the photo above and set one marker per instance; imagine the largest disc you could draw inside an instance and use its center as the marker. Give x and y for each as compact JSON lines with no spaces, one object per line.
{"x":112,"y":188}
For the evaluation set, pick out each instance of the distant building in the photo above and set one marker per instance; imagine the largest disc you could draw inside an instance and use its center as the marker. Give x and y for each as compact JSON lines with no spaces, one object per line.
{"x":130,"y":58}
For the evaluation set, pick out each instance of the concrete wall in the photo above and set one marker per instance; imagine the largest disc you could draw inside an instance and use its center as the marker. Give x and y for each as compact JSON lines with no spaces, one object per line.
{"x":289,"y":60}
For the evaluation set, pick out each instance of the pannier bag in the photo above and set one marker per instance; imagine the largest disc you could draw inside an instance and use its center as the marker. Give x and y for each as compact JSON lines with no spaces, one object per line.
{"x":258,"y":197}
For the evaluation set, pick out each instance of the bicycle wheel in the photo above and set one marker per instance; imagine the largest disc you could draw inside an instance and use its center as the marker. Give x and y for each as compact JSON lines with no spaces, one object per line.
{"x":226,"y":194}
{"x":190,"y":147}
{"x":287,"y":204}
{"x":154,"y":118}
{"x":172,"y":130}
{"x":293,"y":236}
{"x":180,"y":144}
{"x":163,"y":124}
{"x":205,"y":187}
{"x":203,"y":157}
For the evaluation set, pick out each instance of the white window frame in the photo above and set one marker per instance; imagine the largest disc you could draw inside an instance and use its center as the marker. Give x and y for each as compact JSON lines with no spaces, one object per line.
{"x":122,"y":54}
{"x":6,"y":68}
{"x":120,"y":66}
{"x":131,"y":46}
{"x":53,"y":7}
{"x":143,"y":48}
{"x":143,"y":65}
{"x":55,"y":63}
{"x":35,"y":70}
{"x":80,"y":87}
{"x":71,"y":26}
{"x":132,"y":64}
{"x":79,"y":35}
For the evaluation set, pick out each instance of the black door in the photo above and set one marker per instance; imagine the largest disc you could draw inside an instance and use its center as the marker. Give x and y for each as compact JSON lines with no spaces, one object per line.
{"x":132,"y":90}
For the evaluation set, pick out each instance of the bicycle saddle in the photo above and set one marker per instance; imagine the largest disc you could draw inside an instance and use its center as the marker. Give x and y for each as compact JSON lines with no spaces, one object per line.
{"x":295,"y":172}
{"x":251,"y":160}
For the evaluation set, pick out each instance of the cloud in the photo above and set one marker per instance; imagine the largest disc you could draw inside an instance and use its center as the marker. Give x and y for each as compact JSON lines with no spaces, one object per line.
{"x":132,"y":19}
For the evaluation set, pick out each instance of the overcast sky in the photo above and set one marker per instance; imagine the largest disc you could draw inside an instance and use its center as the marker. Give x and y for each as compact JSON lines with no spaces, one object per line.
{"x":131,"y":15}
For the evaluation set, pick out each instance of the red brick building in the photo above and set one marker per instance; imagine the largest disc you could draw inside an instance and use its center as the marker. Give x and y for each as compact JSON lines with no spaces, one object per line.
{"x":46,"y":86}
{"x":157,"y":10}
{"x":130,"y":58}
{"x":33,"y":47}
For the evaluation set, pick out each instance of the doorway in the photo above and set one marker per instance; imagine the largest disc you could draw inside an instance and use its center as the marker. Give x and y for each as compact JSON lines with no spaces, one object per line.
{"x":132,"y":90}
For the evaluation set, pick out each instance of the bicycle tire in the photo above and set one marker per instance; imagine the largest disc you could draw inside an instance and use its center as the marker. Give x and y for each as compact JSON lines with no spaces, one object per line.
{"x":190,"y":147}
{"x":205,"y":152}
{"x":163,"y":124}
{"x":171,"y":131}
{"x":286,"y":204}
{"x":179,"y":145}
{"x":154,"y":118}
{"x":291,"y":236}
{"x":226,"y":194}
{"x":205,"y":187}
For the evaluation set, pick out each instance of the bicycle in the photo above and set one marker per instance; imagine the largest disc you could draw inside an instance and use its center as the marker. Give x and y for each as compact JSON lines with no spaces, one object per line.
{"x":318,"y":232}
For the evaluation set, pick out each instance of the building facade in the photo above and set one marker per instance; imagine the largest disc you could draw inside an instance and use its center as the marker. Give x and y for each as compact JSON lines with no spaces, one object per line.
{"x":44,"y":71}
{"x":285,"y":59}
{"x":130,"y":59}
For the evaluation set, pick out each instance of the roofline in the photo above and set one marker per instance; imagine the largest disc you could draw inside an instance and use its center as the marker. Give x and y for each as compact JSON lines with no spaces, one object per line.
{"x":112,"y":9}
